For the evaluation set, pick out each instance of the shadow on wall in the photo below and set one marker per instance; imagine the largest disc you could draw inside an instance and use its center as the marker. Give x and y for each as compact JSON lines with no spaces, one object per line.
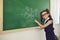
{"x":56,"y":38}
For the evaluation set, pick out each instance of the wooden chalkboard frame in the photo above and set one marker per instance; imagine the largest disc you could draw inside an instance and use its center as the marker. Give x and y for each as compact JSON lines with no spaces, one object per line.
{"x":9,"y":31}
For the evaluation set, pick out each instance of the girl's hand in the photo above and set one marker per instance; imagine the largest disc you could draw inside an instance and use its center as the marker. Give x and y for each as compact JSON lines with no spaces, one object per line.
{"x":41,"y":27}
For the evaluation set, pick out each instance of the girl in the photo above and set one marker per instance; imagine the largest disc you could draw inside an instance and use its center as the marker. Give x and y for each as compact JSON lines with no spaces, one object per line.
{"x":48,"y":24}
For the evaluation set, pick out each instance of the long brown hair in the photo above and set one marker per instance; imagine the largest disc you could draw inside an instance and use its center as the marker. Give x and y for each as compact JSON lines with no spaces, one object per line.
{"x":48,"y":12}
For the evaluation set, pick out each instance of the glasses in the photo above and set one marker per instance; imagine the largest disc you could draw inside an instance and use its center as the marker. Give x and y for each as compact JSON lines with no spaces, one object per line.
{"x":44,"y":14}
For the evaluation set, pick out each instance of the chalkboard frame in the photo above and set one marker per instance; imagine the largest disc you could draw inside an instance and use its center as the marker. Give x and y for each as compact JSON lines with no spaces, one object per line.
{"x":15,"y":30}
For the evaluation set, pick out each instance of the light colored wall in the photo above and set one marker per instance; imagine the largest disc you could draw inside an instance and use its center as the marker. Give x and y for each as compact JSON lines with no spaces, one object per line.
{"x":35,"y":34}
{"x":55,"y":11}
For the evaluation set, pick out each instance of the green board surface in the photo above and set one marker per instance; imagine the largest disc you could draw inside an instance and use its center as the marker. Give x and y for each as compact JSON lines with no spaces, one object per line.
{"x":21,"y":13}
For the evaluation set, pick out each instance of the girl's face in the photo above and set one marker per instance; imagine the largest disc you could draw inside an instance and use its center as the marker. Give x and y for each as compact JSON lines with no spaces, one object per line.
{"x":45,"y":15}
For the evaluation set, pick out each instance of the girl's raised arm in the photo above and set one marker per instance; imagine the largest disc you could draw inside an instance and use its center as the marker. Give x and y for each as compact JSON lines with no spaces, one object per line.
{"x":45,"y":25}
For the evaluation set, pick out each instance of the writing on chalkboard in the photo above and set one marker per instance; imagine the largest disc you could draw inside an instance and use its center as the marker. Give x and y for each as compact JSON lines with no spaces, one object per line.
{"x":29,"y":12}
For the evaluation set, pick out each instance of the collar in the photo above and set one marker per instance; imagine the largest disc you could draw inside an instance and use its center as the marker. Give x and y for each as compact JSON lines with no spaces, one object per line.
{"x":46,"y":20}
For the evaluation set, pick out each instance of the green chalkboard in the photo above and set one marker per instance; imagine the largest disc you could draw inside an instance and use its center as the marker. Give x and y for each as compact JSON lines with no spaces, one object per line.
{"x":19,"y":14}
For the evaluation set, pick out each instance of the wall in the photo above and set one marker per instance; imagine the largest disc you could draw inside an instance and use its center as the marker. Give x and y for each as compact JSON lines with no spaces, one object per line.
{"x":36,"y":34}
{"x":55,"y":11}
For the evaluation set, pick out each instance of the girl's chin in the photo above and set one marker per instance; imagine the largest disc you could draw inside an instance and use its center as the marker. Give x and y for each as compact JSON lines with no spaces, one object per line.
{"x":44,"y":18}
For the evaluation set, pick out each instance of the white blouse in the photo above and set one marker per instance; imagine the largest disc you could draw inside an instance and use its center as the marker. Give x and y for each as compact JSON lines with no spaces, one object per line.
{"x":46,"y":20}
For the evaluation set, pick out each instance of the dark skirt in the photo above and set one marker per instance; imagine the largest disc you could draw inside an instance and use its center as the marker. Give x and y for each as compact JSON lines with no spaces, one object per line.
{"x":50,"y":35}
